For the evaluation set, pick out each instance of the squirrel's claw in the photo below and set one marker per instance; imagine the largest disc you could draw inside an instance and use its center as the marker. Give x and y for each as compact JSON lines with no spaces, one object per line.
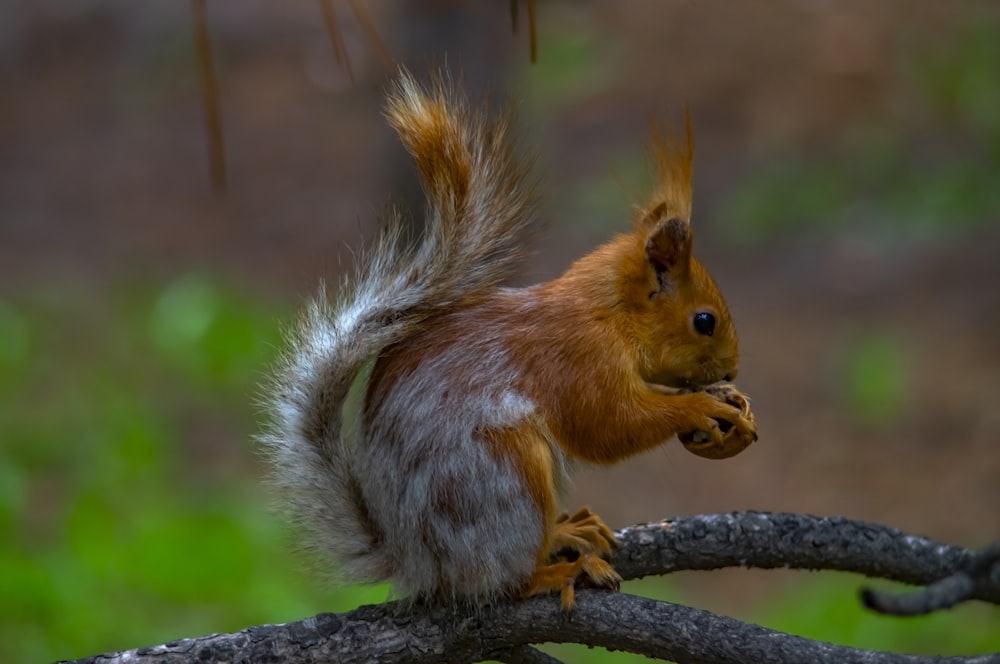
{"x":584,"y":532}
{"x":587,"y":571}
{"x":575,"y":558}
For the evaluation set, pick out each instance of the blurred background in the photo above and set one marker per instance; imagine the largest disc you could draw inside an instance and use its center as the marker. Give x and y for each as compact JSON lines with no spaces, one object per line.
{"x":847,"y":185}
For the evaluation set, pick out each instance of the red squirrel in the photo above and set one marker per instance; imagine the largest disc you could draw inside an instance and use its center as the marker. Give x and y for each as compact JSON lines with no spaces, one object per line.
{"x":476,"y":399}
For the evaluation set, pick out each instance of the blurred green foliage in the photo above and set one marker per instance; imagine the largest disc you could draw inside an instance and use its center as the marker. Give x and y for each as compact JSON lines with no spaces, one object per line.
{"x":875,"y":378}
{"x":131,"y":507}
{"x":573,"y":62}
{"x":900,"y":176}
{"x":828,"y":609}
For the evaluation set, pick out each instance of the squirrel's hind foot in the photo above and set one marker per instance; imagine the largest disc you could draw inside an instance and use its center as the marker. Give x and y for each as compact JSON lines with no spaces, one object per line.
{"x":583,"y":532}
{"x":576,"y":558}
{"x":587,"y":571}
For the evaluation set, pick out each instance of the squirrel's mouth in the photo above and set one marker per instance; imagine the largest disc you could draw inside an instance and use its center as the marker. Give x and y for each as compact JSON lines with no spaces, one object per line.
{"x":683,"y":385}
{"x":704,"y":374}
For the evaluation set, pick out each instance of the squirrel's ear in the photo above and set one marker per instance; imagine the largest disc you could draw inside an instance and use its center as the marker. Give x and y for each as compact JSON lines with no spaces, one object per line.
{"x":668,"y":248}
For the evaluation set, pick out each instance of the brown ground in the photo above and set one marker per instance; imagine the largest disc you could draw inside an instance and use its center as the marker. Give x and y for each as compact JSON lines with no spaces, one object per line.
{"x":103,"y":179}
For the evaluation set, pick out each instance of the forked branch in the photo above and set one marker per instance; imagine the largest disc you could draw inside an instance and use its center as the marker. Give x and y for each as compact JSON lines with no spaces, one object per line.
{"x":393,"y":632}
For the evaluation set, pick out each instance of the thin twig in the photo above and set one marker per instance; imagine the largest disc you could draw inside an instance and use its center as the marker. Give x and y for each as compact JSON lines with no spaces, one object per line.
{"x":368,"y":25}
{"x":336,"y":37}
{"x":209,"y":97}
{"x":532,"y":32}
{"x":532,"y":26}
{"x":979,"y":577}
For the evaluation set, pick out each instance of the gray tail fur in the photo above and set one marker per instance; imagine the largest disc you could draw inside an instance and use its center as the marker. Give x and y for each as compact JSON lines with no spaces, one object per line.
{"x":478,"y":222}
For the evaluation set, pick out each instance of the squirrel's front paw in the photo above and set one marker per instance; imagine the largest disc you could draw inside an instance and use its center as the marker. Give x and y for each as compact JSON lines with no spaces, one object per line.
{"x":733,"y":426}
{"x":577,"y":547}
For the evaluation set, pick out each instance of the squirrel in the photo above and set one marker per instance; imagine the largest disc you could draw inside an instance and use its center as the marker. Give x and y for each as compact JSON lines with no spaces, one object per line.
{"x":474,"y":400}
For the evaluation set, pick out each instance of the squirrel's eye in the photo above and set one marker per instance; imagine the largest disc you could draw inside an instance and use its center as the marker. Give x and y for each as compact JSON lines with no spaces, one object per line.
{"x":704,"y":323}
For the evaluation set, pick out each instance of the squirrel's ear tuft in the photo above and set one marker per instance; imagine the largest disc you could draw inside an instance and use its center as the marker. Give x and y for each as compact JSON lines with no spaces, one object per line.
{"x":668,"y":248}
{"x":673,"y":156}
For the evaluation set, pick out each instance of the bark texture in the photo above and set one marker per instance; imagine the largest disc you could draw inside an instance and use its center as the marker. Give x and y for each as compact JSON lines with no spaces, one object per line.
{"x":394,"y":632}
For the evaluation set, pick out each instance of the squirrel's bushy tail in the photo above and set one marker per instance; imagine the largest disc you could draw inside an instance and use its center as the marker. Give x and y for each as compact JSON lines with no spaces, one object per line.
{"x":478,"y":219}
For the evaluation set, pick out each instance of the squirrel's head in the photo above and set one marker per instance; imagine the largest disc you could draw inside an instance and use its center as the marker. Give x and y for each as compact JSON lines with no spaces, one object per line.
{"x":685,"y":336}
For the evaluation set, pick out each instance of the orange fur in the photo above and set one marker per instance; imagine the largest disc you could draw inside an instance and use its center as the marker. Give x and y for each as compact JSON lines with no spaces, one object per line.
{"x":602,"y":351}
{"x":673,"y":159}
{"x":429,"y":132}
{"x":479,"y":395}
{"x":525,"y":449}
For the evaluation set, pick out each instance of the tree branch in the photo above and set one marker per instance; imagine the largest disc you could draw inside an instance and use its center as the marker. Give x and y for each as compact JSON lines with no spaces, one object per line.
{"x":771,"y":540}
{"x":394,"y":632}
{"x":978,"y":578}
